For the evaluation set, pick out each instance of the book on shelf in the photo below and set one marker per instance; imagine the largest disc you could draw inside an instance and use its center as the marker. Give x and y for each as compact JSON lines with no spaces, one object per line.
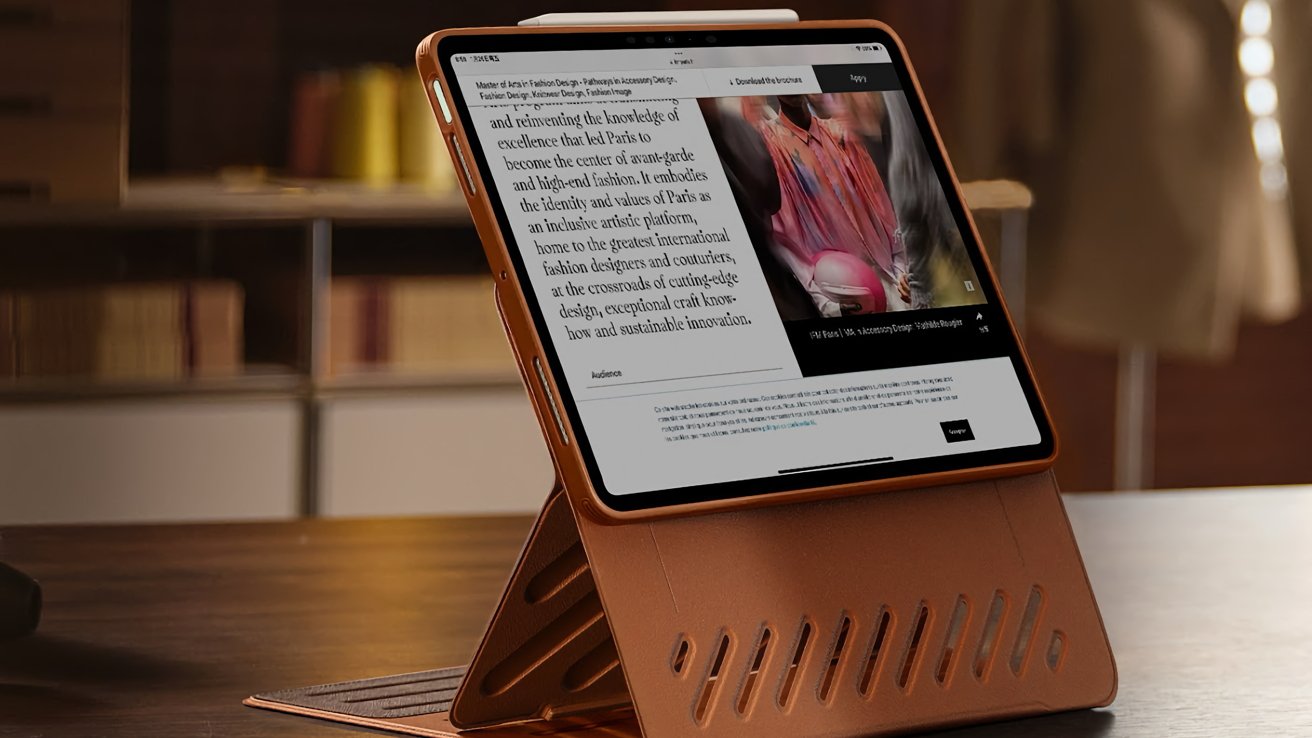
{"x":213,"y":327}
{"x":348,"y":327}
{"x":314,"y":98}
{"x":146,"y":331}
{"x":8,"y":341}
{"x":369,"y":124}
{"x":415,"y":325}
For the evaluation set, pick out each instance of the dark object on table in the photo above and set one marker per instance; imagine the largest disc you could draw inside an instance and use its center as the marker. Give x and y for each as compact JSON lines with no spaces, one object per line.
{"x":20,"y":603}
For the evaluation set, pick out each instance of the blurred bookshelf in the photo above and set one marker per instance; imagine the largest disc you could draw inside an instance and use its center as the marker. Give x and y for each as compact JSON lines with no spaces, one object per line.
{"x":249,"y":199}
{"x":252,"y":381}
{"x":297,"y":252}
{"x":254,"y":291}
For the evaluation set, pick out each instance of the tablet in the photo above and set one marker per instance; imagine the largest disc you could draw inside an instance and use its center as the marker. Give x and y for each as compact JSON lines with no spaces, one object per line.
{"x":743,"y":259}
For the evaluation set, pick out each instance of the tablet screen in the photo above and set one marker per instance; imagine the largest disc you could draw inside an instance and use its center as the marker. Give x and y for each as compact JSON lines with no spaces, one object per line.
{"x":746,"y":260}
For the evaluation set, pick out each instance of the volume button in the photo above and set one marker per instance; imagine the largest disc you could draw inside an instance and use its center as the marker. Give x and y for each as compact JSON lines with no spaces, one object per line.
{"x":551,"y":400}
{"x":464,"y":165}
{"x":441,"y":101}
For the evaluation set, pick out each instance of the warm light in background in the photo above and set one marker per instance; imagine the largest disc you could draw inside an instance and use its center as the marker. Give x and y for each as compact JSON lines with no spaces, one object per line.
{"x":1256,"y":18}
{"x":1256,"y":56}
{"x":1257,"y":59}
{"x":1260,"y":94}
{"x":1267,"y":139}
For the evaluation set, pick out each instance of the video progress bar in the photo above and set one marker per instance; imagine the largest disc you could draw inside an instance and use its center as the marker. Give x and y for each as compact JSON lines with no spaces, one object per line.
{"x":862,"y":462}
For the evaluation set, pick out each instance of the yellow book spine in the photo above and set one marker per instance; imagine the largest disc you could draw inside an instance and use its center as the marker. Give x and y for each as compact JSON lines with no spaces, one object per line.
{"x":365,"y":130}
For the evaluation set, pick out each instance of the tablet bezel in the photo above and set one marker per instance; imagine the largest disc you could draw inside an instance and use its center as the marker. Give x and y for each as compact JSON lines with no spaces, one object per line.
{"x":780,"y":488}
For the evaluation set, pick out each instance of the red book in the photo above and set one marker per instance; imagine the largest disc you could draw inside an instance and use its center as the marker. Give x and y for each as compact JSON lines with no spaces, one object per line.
{"x":8,"y":337}
{"x":314,"y":100}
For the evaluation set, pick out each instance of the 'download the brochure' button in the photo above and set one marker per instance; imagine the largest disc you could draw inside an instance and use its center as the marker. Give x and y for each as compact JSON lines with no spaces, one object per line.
{"x":956,"y":431}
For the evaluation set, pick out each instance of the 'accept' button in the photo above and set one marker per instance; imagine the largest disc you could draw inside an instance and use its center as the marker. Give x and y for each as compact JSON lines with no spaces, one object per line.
{"x":956,"y":431}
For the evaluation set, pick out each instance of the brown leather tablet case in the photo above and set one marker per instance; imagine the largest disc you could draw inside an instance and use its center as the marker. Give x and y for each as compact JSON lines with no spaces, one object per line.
{"x":867,"y":615}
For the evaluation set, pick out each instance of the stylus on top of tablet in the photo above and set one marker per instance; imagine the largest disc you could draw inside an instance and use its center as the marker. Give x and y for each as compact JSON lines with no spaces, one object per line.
{"x":655,"y":18}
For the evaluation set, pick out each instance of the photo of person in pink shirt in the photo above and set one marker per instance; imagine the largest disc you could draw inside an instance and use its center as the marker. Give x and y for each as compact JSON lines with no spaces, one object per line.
{"x":833,"y":199}
{"x":847,"y":217}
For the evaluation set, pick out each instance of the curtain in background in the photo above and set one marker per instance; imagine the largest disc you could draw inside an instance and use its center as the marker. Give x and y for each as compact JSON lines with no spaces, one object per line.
{"x":1127,"y":119}
{"x":1292,"y":26}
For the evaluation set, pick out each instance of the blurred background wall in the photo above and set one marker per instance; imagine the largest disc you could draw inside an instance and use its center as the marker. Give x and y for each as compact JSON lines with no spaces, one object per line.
{"x":237,"y":279}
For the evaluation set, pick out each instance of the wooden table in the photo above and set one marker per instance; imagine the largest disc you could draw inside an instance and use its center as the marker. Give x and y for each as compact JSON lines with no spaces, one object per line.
{"x":162,"y":630}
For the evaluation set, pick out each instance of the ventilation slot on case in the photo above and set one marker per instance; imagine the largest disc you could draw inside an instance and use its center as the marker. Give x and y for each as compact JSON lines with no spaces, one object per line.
{"x":682,"y":653}
{"x":943,"y":639}
{"x":913,"y":646}
{"x":871,"y":670}
{"x":707,"y":695}
{"x":794,"y":665}
{"x":1029,"y":623}
{"x":835,"y":658}
{"x":544,"y":644}
{"x":988,"y":640}
{"x":952,"y":641}
{"x":594,"y":665}
{"x":557,"y":575}
{"x":753,"y":676}
{"x":1056,"y":650}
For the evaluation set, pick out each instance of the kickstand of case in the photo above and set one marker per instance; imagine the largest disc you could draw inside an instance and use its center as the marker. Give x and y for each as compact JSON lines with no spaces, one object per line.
{"x":548,"y":650}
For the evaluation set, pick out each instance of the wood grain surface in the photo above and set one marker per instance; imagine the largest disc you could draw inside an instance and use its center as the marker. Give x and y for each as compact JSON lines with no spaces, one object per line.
{"x":162,"y":630}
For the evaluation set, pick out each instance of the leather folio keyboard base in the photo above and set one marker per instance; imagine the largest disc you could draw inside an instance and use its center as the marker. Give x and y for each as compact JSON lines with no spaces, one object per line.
{"x":396,"y":696}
